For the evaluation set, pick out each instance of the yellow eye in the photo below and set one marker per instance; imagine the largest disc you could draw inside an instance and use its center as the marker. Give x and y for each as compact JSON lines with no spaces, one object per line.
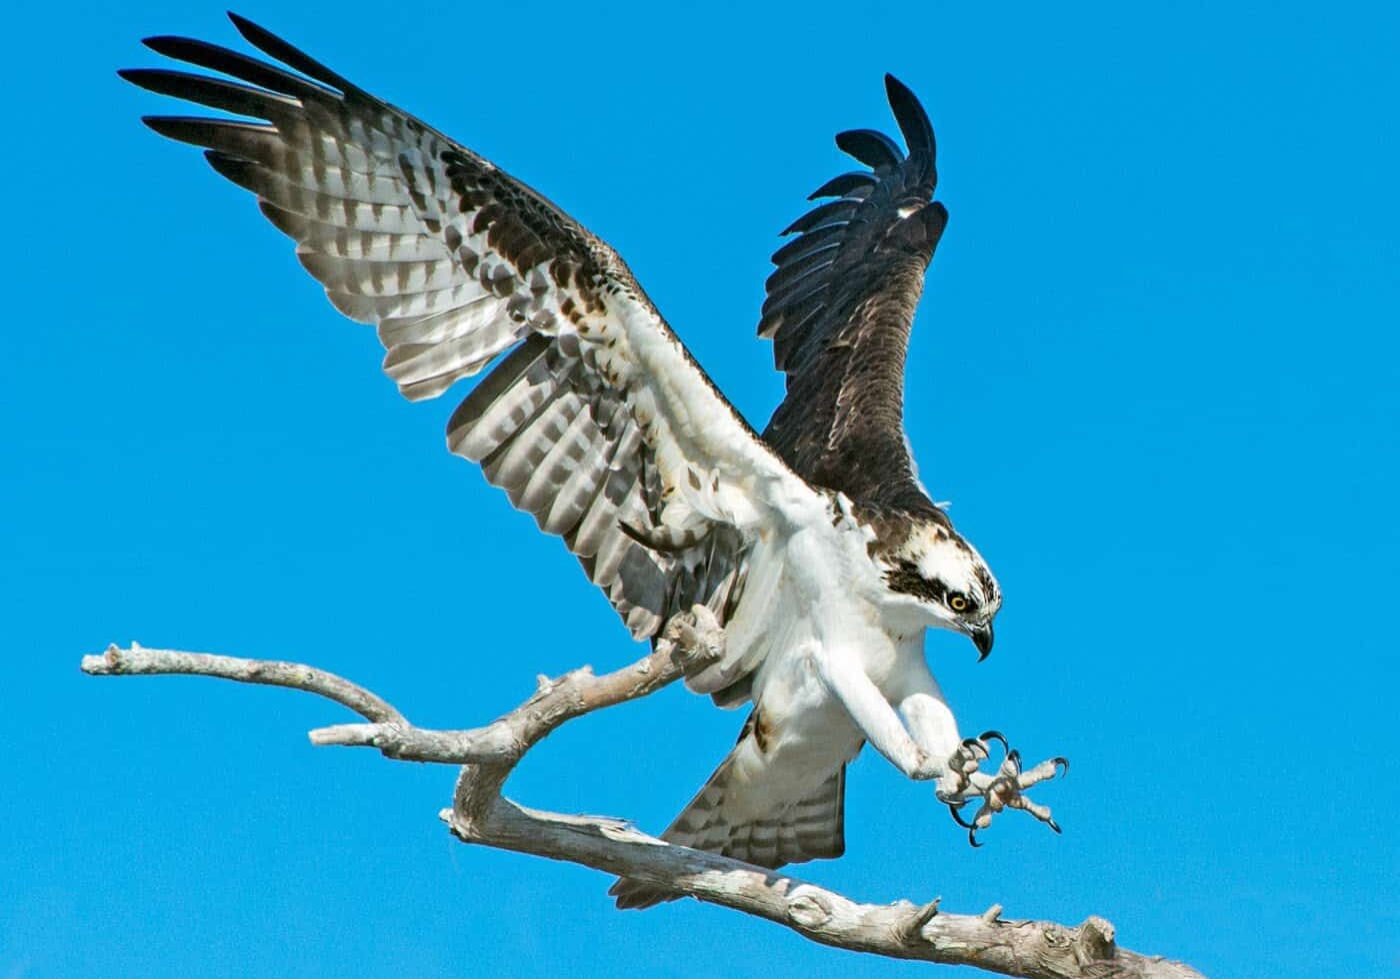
{"x":957,"y":603}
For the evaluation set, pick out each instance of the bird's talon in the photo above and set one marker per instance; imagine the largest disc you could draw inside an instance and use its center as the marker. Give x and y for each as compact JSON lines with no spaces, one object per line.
{"x":697,"y":637}
{"x":976,"y":747}
{"x":1003,"y":789}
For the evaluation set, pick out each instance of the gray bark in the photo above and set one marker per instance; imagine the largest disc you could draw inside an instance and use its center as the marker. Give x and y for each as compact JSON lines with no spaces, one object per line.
{"x":481,"y":815}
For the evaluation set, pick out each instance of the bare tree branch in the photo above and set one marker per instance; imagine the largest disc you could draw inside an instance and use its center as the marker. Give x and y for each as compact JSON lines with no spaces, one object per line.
{"x":479,"y":814}
{"x":273,"y":673}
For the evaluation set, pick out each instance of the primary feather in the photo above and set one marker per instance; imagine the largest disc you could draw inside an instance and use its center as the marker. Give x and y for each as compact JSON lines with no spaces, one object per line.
{"x":456,"y":262}
{"x":840,"y":308}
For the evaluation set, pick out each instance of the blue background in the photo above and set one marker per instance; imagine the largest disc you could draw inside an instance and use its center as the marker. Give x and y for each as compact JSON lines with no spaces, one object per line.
{"x":1154,"y":370}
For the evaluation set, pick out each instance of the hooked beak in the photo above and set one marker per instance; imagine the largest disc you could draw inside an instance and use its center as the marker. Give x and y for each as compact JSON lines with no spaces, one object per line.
{"x":982,"y":639}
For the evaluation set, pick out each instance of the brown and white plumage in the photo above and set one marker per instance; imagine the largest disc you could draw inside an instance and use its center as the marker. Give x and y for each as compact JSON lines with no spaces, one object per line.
{"x":455,"y":262}
{"x":745,"y":812}
{"x":814,"y":546}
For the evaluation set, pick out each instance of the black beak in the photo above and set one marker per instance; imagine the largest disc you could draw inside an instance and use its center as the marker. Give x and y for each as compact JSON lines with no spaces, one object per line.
{"x":982,"y":639}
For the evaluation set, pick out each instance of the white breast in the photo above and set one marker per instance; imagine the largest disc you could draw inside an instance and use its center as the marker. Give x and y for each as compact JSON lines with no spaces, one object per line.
{"x":810,"y":584}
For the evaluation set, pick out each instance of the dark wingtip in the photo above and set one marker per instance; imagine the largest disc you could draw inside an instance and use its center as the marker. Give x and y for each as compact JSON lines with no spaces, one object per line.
{"x":894,"y":88}
{"x":163,"y":43}
{"x":270,"y":44}
{"x":249,"y":29}
{"x":156,"y":80}
{"x":844,"y":184}
{"x":242,"y":24}
{"x":163,"y":125}
{"x":909,"y":113}
{"x":871,"y":147}
{"x":145,"y":78}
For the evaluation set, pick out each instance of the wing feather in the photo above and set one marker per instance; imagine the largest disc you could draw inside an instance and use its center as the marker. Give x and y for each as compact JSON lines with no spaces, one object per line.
{"x":839,"y":309}
{"x":871,"y":147}
{"x":596,"y":417}
{"x":845,"y":184}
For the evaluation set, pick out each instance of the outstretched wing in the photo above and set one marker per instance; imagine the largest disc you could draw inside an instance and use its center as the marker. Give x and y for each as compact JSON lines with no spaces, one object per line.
{"x":598,"y":422}
{"x":839,"y":309}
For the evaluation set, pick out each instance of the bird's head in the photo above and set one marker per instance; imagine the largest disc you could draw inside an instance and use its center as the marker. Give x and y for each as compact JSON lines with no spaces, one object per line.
{"x":948,"y":580}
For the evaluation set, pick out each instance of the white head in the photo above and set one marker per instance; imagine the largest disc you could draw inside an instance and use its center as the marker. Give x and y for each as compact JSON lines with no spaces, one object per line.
{"x":945,"y":577}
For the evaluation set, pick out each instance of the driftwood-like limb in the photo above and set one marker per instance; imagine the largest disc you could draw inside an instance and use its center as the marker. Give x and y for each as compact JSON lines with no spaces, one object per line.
{"x":139,"y":661}
{"x":900,"y":930}
{"x":480,"y":815}
{"x":505,"y":740}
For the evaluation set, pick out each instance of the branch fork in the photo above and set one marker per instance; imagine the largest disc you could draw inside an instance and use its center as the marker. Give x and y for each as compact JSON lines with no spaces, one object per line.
{"x":481,"y":815}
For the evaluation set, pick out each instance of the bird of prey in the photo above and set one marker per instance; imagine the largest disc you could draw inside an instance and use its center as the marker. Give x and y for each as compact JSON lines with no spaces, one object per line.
{"x":812,"y":551}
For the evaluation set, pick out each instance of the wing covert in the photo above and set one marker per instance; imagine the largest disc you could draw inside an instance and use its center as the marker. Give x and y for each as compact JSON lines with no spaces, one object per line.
{"x":596,"y":421}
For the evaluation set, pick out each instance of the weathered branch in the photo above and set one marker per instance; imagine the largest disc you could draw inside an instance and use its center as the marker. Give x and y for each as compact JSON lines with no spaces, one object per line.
{"x":480,"y":814}
{"x":273,"y":673}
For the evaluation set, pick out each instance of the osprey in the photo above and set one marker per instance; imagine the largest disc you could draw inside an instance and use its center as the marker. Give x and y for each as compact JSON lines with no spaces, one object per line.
{"x":812,"y":549}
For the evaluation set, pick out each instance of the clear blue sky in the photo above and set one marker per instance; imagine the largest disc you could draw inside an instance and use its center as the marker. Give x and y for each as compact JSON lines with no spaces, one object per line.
{"x":1155,"y":370}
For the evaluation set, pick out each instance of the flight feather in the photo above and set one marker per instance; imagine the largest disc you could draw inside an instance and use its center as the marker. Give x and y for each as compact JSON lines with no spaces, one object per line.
{"x":596,"y":420}
{"x":839,"y":309}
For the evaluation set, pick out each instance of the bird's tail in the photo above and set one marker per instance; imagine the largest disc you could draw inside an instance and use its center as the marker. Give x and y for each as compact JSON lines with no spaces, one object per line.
{"x":743,"y":815}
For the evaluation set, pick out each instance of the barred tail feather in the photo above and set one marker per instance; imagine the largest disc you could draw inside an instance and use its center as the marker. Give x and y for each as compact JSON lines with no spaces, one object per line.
{"x":721,"y":819}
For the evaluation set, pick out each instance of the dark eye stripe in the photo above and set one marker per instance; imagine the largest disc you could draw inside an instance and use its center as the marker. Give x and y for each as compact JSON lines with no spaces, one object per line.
{"x":905,"y":577}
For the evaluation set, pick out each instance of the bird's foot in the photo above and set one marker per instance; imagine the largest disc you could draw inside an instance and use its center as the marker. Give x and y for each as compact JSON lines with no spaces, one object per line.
{"x":965,"y":782}
{"x":697,"y":638}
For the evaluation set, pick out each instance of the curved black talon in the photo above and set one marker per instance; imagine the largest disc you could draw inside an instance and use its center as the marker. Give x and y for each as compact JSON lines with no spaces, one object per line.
{"x":977,"y":747}
{"x":1062,"y":764}
{"x":1014,"y":757}
{"x":972,"y":837}
{"x":995,"y":736}
{"x":956,"y":811}
{"x":1053,"y":825}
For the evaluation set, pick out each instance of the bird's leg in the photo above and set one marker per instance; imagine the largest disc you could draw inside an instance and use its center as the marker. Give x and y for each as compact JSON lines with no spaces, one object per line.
{"x":998,"y":790}
{"x":697,"y":637}
{"x":873,"y":714}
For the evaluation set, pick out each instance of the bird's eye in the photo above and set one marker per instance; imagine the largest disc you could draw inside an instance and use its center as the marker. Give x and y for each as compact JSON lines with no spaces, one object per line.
{"x":958,"y":603}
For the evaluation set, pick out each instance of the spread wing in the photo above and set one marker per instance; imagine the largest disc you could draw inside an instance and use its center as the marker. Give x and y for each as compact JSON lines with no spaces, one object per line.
{"x":839,"y":309}
{"x":598,"y":422}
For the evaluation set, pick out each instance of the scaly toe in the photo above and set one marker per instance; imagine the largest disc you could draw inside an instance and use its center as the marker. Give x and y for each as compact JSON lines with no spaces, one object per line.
{"x":974,"y":748}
